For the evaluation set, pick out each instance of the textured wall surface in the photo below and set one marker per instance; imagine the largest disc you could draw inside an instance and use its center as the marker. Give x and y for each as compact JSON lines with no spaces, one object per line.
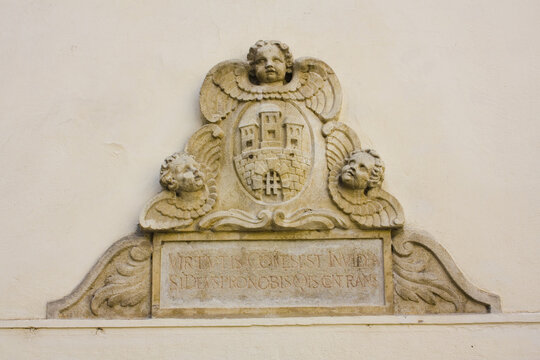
{"x":95,"y":94}
{"x":493,"y":337}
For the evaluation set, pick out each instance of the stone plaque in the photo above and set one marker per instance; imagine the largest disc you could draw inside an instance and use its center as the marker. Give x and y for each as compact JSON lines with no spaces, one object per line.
{"x":270,"y":276}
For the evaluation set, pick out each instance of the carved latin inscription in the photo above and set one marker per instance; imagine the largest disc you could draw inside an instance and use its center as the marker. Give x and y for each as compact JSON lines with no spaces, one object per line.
{"x":272,"y":273}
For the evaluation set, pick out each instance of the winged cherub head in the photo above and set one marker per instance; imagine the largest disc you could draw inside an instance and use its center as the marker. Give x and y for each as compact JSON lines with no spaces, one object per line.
{"x":363,"y":170}
{"x":270,"y":61}
{"x":181,"y":173}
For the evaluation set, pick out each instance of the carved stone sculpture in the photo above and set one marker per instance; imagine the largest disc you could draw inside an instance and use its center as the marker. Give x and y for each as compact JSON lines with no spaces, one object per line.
{"x":117,"y":286}
{"x":189,"y":179}
{"x":273,"y":208}
{"x":270,"y":74}
{"x":355,"y":178}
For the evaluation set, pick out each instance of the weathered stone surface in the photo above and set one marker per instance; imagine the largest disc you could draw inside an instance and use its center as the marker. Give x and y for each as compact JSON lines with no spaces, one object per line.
{"x":189,"y":179}
{"x":117,"y":286}
{"x":355,"y":178}
{"x":427,"y":281}
{"x":273,"y":174}
{"x":248,"y":277}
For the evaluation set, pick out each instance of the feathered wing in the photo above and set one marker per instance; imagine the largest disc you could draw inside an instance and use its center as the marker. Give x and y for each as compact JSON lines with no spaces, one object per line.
{"x":321,"y":89}
{"x":164,"y":212}
{"x":168,"y":210}
{"x":205,"y":145}
{"x":341,"y":140}
{"x":378,"y":210}
{"x":217,"y":98}
{"x":129,"y":285}
{"x":313,"y":83}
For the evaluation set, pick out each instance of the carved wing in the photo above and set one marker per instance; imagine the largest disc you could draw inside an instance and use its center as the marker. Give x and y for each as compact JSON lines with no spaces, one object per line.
{"x":167,"y":210}
{"x":117,"y":286}
{"x":205,"y":146}
{"x":379,"y":210}
{"x":341,"y":140}
{"x":427,"y":280}
{"x":313,"y":82}
{"x":129,"y":285}
{"x":220,"y":92}
{"x":320,"y":89}
{"x":180,"y":212}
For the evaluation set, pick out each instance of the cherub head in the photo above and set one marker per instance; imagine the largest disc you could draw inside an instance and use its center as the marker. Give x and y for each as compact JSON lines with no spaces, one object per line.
{"x":181,"y":172}
{"x":363,"y":169}
{"x":270,"y":61}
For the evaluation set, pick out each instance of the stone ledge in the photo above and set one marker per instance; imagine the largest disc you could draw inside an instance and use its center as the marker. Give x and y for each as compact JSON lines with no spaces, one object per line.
{"x":459,"y":319}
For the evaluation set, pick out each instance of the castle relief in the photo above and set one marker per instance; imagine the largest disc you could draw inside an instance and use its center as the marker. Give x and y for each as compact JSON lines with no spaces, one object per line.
{"x":272,"y":208}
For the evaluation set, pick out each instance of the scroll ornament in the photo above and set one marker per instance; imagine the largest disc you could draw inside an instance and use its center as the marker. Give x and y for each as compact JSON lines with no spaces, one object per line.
{"x":427,"y":280}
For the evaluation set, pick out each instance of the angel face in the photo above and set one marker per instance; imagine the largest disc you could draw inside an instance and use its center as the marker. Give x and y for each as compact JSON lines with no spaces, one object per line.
{"x":182,"y":173}
{"x":188,"y":174}
{"x":270,"y":65}
{"x":357,"y":170}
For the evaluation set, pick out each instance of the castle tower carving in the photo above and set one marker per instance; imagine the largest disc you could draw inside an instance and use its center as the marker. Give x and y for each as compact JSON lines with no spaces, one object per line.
{"x":272,"y":163}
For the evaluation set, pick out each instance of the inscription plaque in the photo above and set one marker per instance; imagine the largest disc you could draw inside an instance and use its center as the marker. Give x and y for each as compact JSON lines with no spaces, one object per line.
{"x":283,"y":276}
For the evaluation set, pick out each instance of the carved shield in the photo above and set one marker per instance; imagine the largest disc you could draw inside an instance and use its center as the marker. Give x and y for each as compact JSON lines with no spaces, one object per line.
{"x":273,"y":151}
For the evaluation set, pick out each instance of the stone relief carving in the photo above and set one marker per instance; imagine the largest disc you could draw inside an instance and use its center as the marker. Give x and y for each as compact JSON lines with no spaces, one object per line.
{"x":355,"y":178}
{"x":189,"y":179}
{"x":117,"y":286}
{"x":303,"y":219}
{"x":270,"y":74}
{"x":274,"y":158}
{"x":426,"y":279}
{"x":273,"y":152}
{"x":273,"y":163}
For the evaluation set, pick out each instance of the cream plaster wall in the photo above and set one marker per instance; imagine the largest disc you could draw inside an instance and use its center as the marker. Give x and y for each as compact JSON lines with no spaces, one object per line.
{"x":493,"y":337}
{"x":94,"y":94}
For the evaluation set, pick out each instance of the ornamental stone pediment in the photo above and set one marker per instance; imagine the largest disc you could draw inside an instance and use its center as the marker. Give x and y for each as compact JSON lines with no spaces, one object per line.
{"x":273,"y":208}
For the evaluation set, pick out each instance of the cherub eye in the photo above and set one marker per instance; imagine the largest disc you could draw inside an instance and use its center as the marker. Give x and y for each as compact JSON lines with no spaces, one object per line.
{"x":260,"y":61}
{"x":277,"y":60}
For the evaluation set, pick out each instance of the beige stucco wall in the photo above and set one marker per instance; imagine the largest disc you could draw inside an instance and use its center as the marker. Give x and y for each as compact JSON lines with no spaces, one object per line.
{"x":493,"y":337}
{"x":94,"y":94}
